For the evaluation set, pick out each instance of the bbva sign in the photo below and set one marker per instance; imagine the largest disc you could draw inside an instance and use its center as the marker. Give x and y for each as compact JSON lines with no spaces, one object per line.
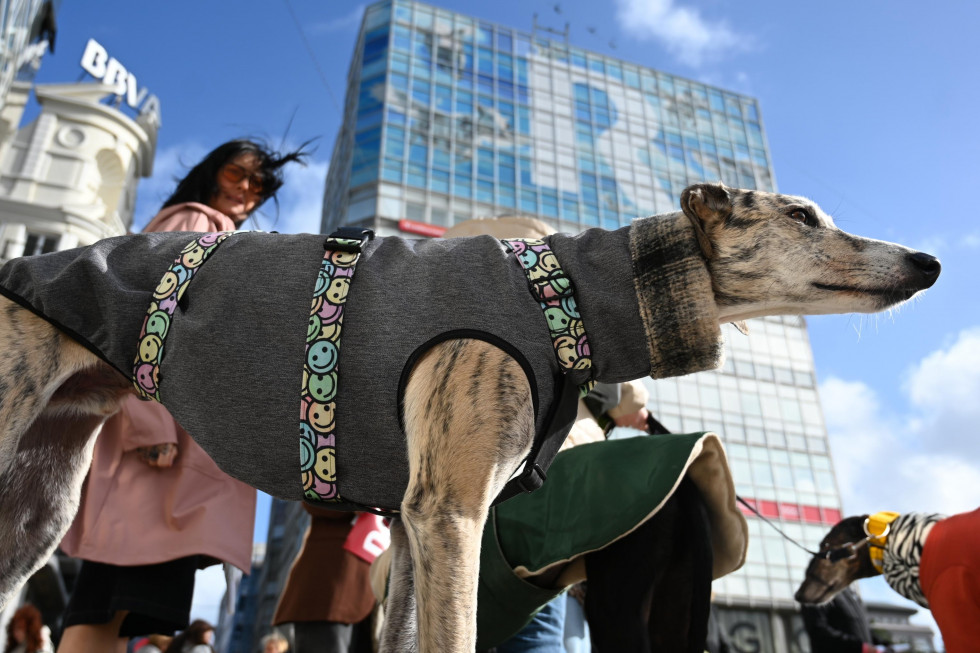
{"x":97,"y":63}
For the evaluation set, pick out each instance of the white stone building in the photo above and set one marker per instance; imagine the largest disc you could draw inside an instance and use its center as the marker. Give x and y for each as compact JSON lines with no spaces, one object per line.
{"x":69,"y":178}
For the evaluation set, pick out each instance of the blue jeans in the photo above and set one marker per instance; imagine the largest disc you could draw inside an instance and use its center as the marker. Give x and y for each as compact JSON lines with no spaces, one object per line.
{"x":544,"y":634}
{"x":576,"y":628}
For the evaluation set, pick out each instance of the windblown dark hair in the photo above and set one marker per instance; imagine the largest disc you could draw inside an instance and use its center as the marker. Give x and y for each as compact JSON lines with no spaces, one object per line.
{"x":201,"y":183}
{"x":30,"y":617}
{"x":192,"y":636}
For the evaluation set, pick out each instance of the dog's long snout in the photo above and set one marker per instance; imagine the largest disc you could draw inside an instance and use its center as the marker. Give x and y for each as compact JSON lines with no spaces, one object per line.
{"x":926,"y":266}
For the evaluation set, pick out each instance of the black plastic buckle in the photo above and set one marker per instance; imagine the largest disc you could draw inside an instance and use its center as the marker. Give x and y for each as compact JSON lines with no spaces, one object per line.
{"x":540,"y":287}
{"x":335,"y":242}
{"x":532,"y":478}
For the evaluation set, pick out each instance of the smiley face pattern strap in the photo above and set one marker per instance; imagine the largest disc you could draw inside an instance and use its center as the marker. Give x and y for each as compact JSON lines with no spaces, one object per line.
{"x":156,"y":324}
{"x":556,"y":295}
{"x":318,"y":403}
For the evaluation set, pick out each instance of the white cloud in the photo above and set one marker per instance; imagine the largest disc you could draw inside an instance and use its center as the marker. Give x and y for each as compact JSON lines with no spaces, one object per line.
{"x":743,"y":81}
{"x":945,"y":389}
{"x":857,"y":433}
{"x":681,"y":30}
{"x":300,"y":200}
{"x":923,"y":458}
{"x":349,"y":21}
{"x":941,"y":244}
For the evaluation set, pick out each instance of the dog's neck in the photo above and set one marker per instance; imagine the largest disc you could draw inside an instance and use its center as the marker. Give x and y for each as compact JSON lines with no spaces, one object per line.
{"x":877,"y":527}
{"x":645,"y":300}
{"x":903,"y":552}
{"x":674,"y":292}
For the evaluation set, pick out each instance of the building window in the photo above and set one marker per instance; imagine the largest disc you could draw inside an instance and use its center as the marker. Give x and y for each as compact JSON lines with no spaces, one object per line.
{"x":40,"y":244}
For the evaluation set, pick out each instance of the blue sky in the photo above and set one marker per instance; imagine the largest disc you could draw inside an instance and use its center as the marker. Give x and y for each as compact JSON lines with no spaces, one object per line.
{"x":869,"y":109}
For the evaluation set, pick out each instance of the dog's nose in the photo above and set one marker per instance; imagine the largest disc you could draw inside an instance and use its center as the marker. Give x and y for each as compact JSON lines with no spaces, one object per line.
{"x":927,"y":266}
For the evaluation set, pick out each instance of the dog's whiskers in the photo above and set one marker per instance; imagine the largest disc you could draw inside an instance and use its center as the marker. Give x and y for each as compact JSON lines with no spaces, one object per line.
{"x":858,"y":328}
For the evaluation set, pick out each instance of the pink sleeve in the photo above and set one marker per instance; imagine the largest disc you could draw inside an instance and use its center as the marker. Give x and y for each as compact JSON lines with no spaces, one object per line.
{"x":145,"y":424}
{"x":189,"y":219}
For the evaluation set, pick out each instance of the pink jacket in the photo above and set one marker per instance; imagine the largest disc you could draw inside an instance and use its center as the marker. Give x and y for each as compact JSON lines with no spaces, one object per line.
{"x":134,"y":514}
{"x":190,"y":216}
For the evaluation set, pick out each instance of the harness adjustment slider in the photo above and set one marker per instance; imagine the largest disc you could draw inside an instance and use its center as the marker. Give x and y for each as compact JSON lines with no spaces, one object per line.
{"x":348,"y":239}
{"x":554,"y":286}
{"x":532,"y":478}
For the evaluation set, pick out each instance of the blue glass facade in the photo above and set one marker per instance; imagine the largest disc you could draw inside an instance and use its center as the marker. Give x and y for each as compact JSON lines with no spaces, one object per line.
{"x":449,"y":117}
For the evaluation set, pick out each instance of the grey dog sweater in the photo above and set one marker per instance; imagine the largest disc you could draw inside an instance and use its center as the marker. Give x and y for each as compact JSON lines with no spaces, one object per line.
{"x":235,"y":348}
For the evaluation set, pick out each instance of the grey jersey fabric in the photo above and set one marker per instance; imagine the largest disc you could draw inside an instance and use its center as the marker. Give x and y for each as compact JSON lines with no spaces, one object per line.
{"x":233,"y":366}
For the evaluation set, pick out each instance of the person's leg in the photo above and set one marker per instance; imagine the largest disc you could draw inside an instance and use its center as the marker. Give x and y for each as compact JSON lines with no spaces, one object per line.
{"x":110,"y":604}
{"x":91,"y":623}
{"x":363,"y":638}
{"x":94,"y":638}
{"x":544,"y":634}
{"x":576,"y":627}
{"x":322,"y":637}
{"x":158,"y":597}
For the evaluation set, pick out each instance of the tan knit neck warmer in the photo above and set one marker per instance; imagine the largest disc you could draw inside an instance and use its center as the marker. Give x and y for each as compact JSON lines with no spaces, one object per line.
{"x":677,"y":304}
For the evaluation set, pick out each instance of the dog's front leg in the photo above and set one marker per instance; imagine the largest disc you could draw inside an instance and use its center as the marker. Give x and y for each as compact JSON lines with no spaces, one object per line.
{"x":54,"y":397}
{"x":470,"y":421}
{"x":39,"y":494}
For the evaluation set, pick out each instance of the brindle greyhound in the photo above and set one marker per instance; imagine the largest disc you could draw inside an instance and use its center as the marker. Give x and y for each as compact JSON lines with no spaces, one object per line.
{"x":729,"y":255}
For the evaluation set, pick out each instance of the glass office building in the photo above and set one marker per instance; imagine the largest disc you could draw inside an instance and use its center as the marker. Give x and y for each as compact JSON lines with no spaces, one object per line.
{"x":448,"y":117}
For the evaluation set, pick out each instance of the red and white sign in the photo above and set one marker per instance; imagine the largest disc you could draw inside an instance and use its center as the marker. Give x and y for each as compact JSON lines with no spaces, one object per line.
{"x":421,"y":228}
{"x":792,"y":512}
{"x":789,"y":511}
{"x":368,"y":538}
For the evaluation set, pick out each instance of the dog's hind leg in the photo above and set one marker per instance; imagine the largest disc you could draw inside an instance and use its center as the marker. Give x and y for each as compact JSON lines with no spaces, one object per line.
{"x":401,"y":621}
{"x":54,"y":397}
{"x":470,"y":421}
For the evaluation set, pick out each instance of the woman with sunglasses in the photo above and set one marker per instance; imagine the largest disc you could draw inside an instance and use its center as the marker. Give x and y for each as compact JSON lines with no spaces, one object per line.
{"x":155,"y":508}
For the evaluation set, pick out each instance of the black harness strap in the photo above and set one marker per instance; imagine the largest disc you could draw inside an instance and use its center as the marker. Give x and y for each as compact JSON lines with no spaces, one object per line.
{"x":555,"y":293}
{"x":546,"y":443}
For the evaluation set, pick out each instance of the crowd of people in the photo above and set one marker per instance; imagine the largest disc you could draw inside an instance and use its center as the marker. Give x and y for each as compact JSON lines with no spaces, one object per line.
{"x":155,"y":508}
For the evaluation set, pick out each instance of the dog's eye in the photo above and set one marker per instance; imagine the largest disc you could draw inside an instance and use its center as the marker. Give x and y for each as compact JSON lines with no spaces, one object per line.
{"x":804,"y":216}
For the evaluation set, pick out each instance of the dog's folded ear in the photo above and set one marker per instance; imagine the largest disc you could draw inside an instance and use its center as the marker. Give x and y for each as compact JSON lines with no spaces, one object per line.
{"x":705,"y":205}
